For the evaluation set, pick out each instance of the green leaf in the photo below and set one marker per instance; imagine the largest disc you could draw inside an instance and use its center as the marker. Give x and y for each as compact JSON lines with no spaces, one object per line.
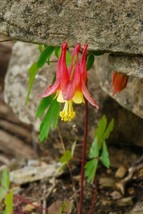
{"x":66,"y":157}
{"x":3,"y":193}
{"x":94,"y":150}
{"x":68,"y":58}
{"x":56,"y":115}
{"x":32,"y":73}
{"x":101,"y":127}
{"x":5,"y":180}
{"x":90,"y":61}
{"x":99,"y":147}
{"x":105,"y":156}
{"x":97,"y":53}
{"x":90,"y":170}
{"x":45,"y":55}
{"x":45,"y":125}
{"x":9,"y":203}
{"x":49,"y":120}
{"x":109,"y":129}
{"x":41,"y":47}
{"x":57,"y":51}
{"x":45,"y":102}
{"x":99,"y":133}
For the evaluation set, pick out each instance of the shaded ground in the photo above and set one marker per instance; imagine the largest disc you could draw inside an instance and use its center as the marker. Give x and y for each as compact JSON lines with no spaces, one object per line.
{"x":19,"y":143}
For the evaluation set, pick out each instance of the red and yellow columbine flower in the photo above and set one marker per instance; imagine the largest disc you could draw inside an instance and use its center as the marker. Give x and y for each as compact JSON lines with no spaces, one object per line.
{"x":119,"y":81}
{"x":70,"y":84}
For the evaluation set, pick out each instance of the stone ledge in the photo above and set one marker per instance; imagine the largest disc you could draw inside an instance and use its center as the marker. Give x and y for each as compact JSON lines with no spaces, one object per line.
{"x":109,"y":25}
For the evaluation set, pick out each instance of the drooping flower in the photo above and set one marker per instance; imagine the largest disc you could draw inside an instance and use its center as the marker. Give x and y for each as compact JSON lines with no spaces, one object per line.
{"x":119,"y":81}
{"x":70,"y":84}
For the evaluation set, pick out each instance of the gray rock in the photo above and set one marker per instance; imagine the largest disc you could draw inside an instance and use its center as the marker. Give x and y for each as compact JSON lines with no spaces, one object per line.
{"x":138,"y":208}
{"x":16,"y":82}
{"x":109,"y":25}
{"x":123,"y":202}
{"x":130,"y":65}
{"x":23,"y":55}
{"x":130,"y":98}
{"x":121,"y":171}
{"x":116,"y":195}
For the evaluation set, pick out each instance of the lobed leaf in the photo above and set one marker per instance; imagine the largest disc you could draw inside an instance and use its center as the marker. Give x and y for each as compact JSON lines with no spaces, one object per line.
{"x":94,"y":150}
{"x":109,"y":129}
{"x":90,"y":170}
{"x":99,"y":147}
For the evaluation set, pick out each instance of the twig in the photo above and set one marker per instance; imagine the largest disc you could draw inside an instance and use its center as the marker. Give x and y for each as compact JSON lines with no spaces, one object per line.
{"x":84,"y":145}
{"x":28,"y":202}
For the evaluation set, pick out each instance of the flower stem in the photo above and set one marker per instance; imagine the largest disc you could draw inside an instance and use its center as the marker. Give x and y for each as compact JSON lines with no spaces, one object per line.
{"x":93,"y":198}
{"x":84,"y":145}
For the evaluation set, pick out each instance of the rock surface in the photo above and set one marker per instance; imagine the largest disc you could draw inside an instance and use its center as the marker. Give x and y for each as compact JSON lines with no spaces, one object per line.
{"x":23,"y":55}
{"x":131,"y":98}
{"x":16,"y":82}
{"x":130,"y":65}
{"x":109,"y":25}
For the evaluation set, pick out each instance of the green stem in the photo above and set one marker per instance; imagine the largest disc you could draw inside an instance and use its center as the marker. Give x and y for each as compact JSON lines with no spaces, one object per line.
{"x":84,"y":145}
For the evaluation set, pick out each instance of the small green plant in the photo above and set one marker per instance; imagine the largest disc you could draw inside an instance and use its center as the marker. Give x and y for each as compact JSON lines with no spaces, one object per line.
{"x":98,"y":151}
{"x":70,"y":86}
{"x":6,"y":194}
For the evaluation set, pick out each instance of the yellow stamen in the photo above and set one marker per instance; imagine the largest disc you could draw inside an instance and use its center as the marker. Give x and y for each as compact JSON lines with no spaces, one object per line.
{"x":68,"y":113}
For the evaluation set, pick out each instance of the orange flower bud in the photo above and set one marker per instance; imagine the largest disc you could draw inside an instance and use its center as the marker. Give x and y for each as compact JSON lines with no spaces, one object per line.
{"x":119,"y":81}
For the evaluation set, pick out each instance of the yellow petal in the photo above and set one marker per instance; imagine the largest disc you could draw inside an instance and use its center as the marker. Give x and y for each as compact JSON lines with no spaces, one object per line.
{"x":78,"y":97}
{"x":60,"y":98}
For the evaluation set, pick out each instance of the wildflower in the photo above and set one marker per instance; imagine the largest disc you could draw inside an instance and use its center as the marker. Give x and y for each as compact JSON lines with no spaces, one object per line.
{"x":119,"y":81}
{"x":70,"y":84}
